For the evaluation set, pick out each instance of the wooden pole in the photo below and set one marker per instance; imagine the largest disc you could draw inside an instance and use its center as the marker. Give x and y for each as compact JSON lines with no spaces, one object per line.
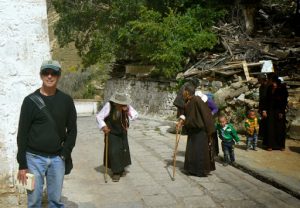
{"x":106,"y":157}
{"x":246,"y":71}
{"x":175,"y":152}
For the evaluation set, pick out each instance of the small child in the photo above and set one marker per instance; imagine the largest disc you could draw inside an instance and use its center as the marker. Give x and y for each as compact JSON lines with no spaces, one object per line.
{"x":228,"y":135}
{"x":252,"y":128}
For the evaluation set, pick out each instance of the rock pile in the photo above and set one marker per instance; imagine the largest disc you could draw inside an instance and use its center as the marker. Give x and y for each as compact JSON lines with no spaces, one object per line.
{"x":236,"y":96}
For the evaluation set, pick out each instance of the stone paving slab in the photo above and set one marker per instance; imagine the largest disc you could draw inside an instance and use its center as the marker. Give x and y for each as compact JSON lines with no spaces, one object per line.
{"x":148,"y":182}
{"x":276,"y":167}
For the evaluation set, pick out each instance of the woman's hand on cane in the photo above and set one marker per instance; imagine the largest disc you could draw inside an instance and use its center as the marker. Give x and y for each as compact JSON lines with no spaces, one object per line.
{"x":179,"y":125}
{"x":105,"y":130}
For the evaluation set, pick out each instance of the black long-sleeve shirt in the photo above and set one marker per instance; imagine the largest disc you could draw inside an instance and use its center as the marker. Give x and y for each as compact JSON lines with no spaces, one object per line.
{"x":38,"y":135}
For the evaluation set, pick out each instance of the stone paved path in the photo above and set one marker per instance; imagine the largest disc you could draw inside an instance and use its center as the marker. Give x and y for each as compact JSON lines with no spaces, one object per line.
{"x":148,"y":182}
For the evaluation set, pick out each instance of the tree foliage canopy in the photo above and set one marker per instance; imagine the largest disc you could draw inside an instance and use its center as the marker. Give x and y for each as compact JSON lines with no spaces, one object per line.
{"x":164,"y":33}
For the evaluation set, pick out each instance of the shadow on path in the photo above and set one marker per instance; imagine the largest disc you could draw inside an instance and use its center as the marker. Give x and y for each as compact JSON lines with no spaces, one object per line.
{"x":100,"y":169}
{"x":68,"y":203}
{"x":169,"y":167}
{"x":295,"y":149}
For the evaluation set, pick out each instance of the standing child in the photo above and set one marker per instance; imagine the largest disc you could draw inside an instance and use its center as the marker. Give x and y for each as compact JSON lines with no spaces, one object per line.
{"x":252,"y":127}
{"x":229,"y":137}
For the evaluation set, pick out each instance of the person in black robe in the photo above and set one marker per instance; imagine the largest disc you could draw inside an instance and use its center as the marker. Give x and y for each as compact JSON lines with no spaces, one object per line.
{"x":179,"y":100}
{"x":263,"y":88}
{"x":113,"y":120}
{"x":275,"y":114}
{"x":198,"y":121}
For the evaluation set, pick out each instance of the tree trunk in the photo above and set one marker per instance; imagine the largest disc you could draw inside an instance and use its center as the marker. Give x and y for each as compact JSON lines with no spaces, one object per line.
{"x":249,"y":11}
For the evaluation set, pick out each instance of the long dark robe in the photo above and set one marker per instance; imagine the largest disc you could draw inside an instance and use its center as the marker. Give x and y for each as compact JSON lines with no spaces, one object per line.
{"x":118,"y":147}
{"x":276,"y":127}
{"x":199,"y":156}
{"x":263,"y":89}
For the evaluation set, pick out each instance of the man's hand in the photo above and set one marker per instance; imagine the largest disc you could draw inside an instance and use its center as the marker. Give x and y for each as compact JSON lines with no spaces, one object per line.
{"x":106,"y":130}
{"x":210,"y":140}
{"x":264,"y":114}
{"x":22,"y":176}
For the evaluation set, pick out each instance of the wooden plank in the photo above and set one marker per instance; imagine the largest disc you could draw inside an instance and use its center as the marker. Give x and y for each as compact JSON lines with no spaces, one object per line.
{"x":228,"y":73}
{"x":236,"y":65}
{"x":292,"y":83}
{"x":245,"y":67}
{"x":294,"y":91}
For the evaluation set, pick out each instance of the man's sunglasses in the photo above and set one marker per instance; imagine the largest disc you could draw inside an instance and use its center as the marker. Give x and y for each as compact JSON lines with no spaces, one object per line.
{"x":50,"y":72}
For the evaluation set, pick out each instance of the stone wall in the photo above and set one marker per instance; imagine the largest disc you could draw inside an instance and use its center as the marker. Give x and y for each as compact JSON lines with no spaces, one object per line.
{"x":149,"y":97}
{"x":24,"y":43}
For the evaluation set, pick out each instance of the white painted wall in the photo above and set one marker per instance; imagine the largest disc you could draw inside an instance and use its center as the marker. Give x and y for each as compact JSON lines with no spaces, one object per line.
{"x":85,"y":107}
{"x":24,"y":44}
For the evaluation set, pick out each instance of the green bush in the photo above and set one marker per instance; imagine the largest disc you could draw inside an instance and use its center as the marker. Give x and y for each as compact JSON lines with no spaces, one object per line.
{"x":167,"y":41}
{"x":80,"y":84}
{"x":73,"y":83}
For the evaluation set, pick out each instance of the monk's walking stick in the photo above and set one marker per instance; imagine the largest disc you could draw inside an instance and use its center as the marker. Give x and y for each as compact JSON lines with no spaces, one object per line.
{"x":106,"y":157}
{"x":175,"y":152}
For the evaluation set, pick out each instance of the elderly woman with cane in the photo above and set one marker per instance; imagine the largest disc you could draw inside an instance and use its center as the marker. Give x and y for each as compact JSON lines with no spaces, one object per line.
{"x":198,"y":121}
{"x":113,"y":120}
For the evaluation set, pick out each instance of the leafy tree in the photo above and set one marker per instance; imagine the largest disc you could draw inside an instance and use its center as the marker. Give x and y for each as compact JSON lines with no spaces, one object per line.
{"x":168,"y":41}
{"x":93,"y":25}
{"x":130,"y":30}
{"x":176,"y":5}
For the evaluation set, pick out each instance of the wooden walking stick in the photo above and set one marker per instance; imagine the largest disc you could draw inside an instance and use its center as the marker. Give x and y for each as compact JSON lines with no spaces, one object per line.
{"x":106,"y":157}
{"x":175,"y":152}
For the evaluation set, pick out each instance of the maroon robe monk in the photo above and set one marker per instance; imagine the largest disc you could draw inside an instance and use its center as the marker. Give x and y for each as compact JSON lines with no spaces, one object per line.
{"x":199,"y":124}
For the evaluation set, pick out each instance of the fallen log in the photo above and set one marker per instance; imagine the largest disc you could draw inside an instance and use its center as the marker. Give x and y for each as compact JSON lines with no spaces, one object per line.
{"x":293,"y":83}
{"x":226,"y":67}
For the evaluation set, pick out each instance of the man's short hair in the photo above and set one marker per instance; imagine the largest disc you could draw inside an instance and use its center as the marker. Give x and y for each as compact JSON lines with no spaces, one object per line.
{"x":250,"y":111}
{"x":262,"y":76}
{"x":195,"y":81}
{"x":222,"y":116}
{"x":272,"y":76}
{"x":190,"y":89}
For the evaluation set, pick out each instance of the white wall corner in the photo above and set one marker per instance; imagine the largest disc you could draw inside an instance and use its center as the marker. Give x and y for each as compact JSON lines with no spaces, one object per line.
{"x":24,"y":44}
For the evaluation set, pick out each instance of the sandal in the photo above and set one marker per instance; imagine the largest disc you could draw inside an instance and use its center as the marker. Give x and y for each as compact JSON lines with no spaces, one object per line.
{"x":115,"y":177}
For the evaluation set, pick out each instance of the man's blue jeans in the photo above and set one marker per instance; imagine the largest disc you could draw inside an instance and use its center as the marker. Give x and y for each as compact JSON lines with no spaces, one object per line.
{"x":53,"y":168}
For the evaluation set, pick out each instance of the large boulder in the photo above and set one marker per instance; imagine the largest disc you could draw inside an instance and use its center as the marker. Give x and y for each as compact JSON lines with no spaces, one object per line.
{"x":228,"y":93}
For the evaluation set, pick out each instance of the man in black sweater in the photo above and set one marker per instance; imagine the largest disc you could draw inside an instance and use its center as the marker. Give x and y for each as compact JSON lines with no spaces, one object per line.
{"x":46,"y":136}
